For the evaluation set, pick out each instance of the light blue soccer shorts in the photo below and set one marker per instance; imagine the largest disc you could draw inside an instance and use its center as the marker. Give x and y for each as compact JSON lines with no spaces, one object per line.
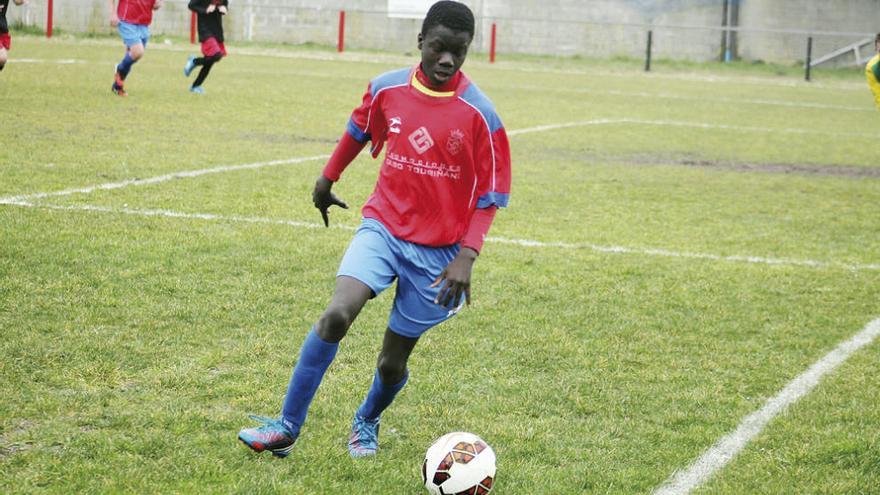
{"x":133,"y":34}
{"x":377,"y":258}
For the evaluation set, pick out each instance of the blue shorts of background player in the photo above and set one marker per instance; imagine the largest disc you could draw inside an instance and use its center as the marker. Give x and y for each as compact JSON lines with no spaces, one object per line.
{"x":134,"y":34}
{"x":377,"y":258}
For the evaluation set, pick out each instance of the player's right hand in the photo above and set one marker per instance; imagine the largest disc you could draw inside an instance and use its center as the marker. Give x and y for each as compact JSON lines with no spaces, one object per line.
{"x":114,"y":19}
{"x":324,"y":198}
{"x":210,"y":8}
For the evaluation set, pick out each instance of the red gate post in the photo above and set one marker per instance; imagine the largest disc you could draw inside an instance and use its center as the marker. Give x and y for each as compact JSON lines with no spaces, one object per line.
{"x":192,"y":29}
{"x":492,"y":46}
{"x":49,"y":20}
{"x":340,"y":45}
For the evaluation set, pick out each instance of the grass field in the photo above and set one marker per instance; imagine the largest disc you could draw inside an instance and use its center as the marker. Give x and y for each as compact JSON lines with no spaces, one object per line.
{"x":679,"y":247}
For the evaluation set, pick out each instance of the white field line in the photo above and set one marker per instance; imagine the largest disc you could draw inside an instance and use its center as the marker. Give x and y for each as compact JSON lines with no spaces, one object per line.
{"x":553,"y":127}
{"x":178,"y":214}
{"x":528,"y":243}
{"x":760,"y":260}
{"x":725,"y":449}
{"x":61,"y":61}
{"x":677,"y":123}
{"x":160,"y":178}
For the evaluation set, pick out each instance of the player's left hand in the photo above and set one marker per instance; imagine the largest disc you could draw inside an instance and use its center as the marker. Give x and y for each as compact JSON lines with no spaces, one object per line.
{"x":222,"y":9}
{"x":457,"y":279}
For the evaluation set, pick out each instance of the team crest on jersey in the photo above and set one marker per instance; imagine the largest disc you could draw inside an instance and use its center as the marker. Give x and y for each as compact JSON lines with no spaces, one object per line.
{"x":394,"y":125}
{"x":455,"y":142}
{"x":421,"y":140}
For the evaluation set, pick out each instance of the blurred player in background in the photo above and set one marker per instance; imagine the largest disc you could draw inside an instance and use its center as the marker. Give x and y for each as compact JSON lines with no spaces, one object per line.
{"x":445,"y":172}
{"x":5,"y":40}
{"x":872,"y":72}
{"x":210,"y":20}
{"x":133,"y":18}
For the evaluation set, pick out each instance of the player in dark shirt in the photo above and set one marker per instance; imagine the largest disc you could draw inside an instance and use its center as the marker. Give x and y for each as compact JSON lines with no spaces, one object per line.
{"x":210,"y":20}
{"x":5,"y":40}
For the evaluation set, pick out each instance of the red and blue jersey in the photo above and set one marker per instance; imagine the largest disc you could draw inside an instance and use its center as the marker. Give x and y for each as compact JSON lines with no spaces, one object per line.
{"x":135,"y":11}
{"x":447,"y":154}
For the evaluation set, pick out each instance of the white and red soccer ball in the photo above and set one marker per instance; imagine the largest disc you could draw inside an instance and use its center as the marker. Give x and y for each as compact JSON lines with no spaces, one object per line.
{"x":459,"y":463}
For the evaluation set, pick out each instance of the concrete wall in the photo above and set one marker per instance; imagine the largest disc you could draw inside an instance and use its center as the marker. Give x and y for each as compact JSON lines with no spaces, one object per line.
{"x":860,"y":17}
{"x":594,"y":28}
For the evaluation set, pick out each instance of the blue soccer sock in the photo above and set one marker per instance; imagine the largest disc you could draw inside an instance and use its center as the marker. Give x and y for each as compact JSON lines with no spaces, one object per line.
{"x":379,"y":397}
{"x":314,"y":358}
{"x":124,"y":67}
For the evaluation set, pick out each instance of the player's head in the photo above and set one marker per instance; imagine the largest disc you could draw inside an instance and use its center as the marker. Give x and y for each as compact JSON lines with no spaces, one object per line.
{"x":447,"y":32}
{"x":877,"y":42}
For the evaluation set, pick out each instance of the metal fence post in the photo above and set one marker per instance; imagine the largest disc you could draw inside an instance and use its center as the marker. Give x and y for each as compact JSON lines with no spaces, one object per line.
{"x":809,"y":57}
{"x":340,"y":45}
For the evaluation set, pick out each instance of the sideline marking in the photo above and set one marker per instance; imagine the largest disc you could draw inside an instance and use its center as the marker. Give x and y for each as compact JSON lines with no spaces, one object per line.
{"x":725,"y":449}
{"x":528,"y":243}
{"x":157,"y":179}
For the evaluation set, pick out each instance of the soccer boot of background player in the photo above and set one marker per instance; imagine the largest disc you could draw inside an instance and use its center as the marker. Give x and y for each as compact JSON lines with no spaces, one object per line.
{"x":118,"y":84}
{"x":190,"y":65}
{"x":364,"y":438}
{"x":272,"y":436}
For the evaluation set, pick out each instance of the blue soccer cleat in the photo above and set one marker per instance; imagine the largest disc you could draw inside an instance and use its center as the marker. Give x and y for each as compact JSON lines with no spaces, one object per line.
{"x":364,"y":438}
{"x":272,"y":436}
{"x":197,"y":90}
{"x":190,"y":65}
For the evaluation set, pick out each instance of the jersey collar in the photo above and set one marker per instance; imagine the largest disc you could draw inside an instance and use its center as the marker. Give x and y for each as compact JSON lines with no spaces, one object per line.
{"x":421,"y":82}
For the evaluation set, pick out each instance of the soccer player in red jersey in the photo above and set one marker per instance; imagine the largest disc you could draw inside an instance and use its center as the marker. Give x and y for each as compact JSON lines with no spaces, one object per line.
{"x":445,"y":172}
{"x":5,"y":40}
{"x":210,"y":21}
{"x":133,"y":18}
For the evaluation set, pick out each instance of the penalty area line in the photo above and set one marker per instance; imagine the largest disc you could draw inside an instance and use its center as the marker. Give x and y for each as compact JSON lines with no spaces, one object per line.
{"x":527,"y":243}
{"x":726,"y":448}
{"x":679,"y":123}
{"x":511,"y":133}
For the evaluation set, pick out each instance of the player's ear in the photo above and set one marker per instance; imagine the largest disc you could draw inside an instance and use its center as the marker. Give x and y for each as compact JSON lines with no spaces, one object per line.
{"x":421,"y":39}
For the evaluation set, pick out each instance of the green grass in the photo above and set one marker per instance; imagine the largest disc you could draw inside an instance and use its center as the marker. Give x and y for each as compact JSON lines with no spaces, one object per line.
{"x":134,"y":347}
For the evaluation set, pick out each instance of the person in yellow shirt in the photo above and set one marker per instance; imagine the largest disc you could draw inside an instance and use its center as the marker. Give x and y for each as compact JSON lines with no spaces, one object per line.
{"x":872,"y":72}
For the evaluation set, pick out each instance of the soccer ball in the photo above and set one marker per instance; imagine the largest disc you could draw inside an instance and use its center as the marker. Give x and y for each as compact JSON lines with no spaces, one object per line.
{"x":459,"y":463}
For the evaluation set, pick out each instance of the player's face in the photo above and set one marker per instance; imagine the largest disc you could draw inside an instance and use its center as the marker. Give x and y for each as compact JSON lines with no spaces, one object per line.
{"x":443,"y":52}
